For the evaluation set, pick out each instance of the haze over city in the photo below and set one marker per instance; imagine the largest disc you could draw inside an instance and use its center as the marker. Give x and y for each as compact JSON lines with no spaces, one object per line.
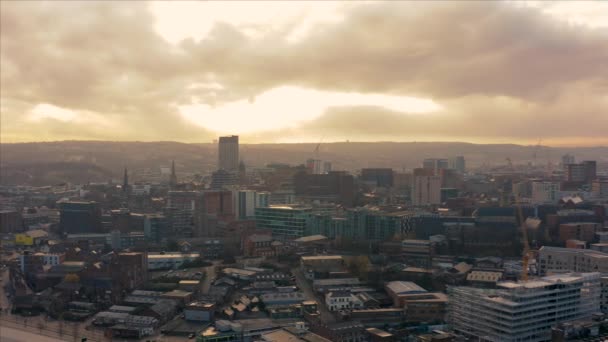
{"x":304,"y":171}
{"x":483,"y":72}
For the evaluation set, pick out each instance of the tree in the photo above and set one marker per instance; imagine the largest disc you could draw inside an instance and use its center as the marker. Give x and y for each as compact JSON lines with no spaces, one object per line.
{"x":359,"y":266}
{"x":172,"y":245}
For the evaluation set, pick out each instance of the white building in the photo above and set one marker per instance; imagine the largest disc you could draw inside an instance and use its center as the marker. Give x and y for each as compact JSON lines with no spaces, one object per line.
{"x":545,"y":192}
{"x":342,"y":300}
{"x":169,"y":260}
{"x":48,"y":259}
{"x":559,"y":260}
{"x":426,"y":190}
{"x":523,"y":311}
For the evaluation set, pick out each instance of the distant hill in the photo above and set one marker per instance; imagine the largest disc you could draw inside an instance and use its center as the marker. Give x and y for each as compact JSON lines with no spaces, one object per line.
{"x":76,"y":161}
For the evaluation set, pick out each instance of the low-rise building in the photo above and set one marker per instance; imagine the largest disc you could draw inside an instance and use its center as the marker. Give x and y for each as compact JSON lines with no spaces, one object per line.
{"x":556,"y":259}
{"x":199,"y":311}
{"x":342,"y":300}
{"x":169,"y":260}
{"x":399,"y":290}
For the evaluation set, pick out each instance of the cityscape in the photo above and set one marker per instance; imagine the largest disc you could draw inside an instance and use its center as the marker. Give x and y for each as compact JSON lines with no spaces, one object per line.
{"x":304,"y":171}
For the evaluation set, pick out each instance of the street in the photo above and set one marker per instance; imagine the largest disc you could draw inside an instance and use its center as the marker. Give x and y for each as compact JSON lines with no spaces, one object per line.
{"x":306,"y":288}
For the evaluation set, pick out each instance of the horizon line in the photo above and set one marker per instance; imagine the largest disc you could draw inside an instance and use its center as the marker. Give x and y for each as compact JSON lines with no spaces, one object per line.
{"x":302,"y":143}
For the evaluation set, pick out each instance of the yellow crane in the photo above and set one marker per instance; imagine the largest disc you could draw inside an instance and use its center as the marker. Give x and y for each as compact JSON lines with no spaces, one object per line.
{"x":524,"y":232}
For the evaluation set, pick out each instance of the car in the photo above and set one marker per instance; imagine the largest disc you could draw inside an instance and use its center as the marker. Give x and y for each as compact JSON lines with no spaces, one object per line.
{"x":191,"y":336}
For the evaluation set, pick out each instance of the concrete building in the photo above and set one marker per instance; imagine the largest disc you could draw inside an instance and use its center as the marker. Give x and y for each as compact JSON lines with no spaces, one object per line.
{"x":545,"y":192}
{"x":523,"y":311}
{"x":567,"y":159}
{"x":584,"y":172}
{"x":584,"y":231}
{"x":435,"y":164}
{"x":199,"y":311}
{"x":426,"y":190}
{"x":457,"y":163}
{"x":228,"y":153}
{"x":245,"y":202}
{"x":335,"y":186}
{"x":599,"y":189}
{"x":170,"y":260}
{"x":382,"y":177}
{"x":287,"y":222}
{"x":398,"y":290}
{"x":559,"y":260}
{"x":79,"y":217}
{"x":342,"y":300}
{"x":10,"y":221}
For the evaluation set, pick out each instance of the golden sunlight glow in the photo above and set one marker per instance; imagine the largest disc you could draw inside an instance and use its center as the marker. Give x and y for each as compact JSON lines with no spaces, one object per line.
{"x":286,"y":106}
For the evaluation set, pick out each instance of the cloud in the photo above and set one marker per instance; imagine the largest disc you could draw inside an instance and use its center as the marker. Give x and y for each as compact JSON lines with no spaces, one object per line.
{"x":498,"y":71}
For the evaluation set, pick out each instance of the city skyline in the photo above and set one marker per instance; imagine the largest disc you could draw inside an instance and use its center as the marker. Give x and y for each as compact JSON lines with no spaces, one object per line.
{"x":483,"y":72}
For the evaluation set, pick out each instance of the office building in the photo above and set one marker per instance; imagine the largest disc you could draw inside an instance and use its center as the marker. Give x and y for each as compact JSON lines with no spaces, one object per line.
{"x":382,"y":177}
{"x":214,"y":208}
{"x":336,"y":186}
{"x":161,"y":261}
{"x":457,"y":163}
{"x":523,"y":311}
{"x":545,"y":192}
{"x":567,"y":159}
{"x":285,"y":222}
{"x":133,"y":269}
{"x":599,"y":189}
{"x":79,"y":217}
{"x":180,"y":212}
{"x":314,"y":166}
{"x":584,"y":172}
{"x":155,"y":227}
{"x":435,"y":164}
{"x":584,"y":231}
{"x":244,"y":204}
{"x":557,"y":259}
{"x":10,"y":221}
{"x":426,"y":190}
{"x":228,"y":153}
{"x":222,"y":179}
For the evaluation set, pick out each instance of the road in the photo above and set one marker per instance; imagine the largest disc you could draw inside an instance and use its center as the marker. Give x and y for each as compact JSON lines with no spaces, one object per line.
{"x":306,"y":287}
{"x":8,"y":334}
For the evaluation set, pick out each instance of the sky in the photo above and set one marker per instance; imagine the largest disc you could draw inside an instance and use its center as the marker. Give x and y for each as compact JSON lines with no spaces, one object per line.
{"x":479,"y":71}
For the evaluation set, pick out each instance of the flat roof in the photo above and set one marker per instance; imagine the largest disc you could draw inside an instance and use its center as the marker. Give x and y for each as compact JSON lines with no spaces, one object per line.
{"x":173,"y":255}
{"x":404,"y":287}
{"x":379,"y":332}
{"x":322,"y":257}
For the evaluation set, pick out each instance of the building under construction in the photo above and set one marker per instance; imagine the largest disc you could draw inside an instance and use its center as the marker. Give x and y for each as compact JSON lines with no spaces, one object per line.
{"x":523,"y":311}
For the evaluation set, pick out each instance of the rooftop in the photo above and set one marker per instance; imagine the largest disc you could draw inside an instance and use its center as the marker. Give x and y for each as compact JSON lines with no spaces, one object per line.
{"x":322,"y":257}
{"x":311,"y":238}
{"x":404,"y":287}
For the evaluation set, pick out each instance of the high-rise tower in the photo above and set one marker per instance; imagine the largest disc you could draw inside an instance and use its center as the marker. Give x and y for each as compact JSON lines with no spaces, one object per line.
{"x":228,"y":156}
{"x":125,"y":181}
{"x":173,"y":177}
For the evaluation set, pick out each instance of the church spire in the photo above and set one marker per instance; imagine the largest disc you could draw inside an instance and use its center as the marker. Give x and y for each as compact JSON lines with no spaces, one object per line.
{"x":173,"y":178}
{"x":125,"y":181}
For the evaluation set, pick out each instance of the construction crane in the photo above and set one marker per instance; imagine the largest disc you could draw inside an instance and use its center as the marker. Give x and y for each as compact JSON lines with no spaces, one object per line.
{"x":536,"y":149}
{"x":524,"y":233}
